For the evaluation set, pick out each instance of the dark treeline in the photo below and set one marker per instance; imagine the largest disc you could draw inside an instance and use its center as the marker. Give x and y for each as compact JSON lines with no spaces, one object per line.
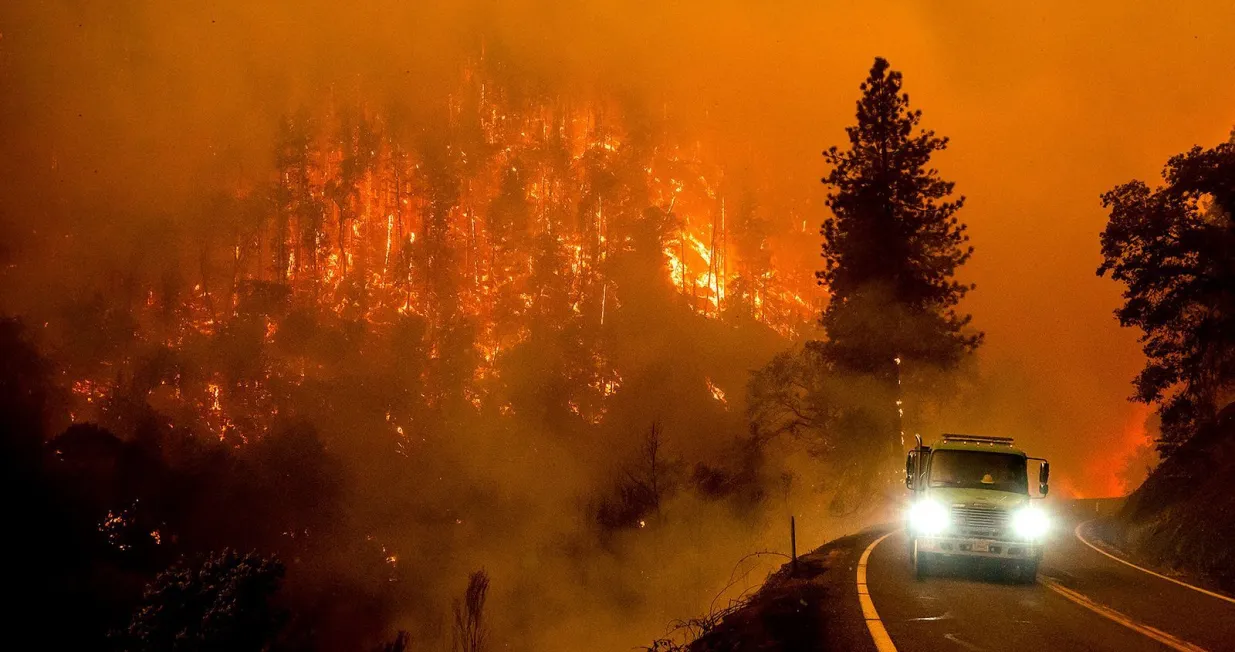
{"x":1172,"y":247}
{"x":101,"y":515}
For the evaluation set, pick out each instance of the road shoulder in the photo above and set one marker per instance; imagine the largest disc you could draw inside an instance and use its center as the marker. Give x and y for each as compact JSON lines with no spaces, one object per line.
{"x":814,"y":608}
{"x":1098,"y":534}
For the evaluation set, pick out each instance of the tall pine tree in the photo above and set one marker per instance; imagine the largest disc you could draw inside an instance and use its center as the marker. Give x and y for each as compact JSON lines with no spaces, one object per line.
{"x":892,"y":246}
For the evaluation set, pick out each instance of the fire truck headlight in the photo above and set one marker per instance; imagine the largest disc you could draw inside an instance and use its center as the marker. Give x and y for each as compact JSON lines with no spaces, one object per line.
{"x":928,"y":517}
{"x":1030,"y":523}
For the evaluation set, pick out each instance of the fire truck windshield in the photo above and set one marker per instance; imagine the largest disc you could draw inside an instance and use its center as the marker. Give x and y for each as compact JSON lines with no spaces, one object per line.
{"x":979,"y":470}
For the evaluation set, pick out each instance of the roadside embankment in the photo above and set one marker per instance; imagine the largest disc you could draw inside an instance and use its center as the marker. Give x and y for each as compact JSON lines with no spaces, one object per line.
{"x":812,"y":607}
{"x":1182,"y":519}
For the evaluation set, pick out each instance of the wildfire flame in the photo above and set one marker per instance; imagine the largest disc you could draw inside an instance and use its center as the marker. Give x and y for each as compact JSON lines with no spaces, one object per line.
{"x":360,"y":225}
{"x":717,"y":393}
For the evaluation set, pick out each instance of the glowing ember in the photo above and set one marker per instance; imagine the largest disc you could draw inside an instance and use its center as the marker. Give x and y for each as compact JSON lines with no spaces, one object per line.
{"x":717,"y":393}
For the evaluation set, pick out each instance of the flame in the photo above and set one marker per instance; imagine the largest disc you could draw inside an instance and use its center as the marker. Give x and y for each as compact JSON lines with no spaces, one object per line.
{"x":1107,"y":469}
{"x":215,"y":405}
{"x":360,"y":233}
{"x":717,"y":393}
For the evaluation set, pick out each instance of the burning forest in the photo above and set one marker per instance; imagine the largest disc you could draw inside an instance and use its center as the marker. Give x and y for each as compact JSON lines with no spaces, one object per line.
{"x":505,"y":328}
{"x":522,"y":325}
{"x":509,"y":218}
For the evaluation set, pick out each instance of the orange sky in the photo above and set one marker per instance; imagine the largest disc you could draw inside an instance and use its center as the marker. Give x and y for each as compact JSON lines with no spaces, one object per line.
{"x":1047,"y":104}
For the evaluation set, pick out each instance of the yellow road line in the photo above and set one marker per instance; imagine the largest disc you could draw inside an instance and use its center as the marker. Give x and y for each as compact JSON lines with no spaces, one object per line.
{"x":883,"y":642}
{"x":1211,"y":594}
{"x":1154,"y":633}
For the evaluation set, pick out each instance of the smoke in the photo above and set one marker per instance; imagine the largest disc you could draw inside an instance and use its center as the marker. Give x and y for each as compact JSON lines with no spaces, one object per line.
{"x":131,"y":131}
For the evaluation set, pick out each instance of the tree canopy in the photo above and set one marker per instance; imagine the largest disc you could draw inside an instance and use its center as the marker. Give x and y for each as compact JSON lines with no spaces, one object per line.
{"x":225,"y":604}
{"x":1173,"y":247}
{"x":893,"y":244}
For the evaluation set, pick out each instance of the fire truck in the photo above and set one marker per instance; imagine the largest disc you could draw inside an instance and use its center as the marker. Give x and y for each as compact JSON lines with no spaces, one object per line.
{"x":971,"y":499}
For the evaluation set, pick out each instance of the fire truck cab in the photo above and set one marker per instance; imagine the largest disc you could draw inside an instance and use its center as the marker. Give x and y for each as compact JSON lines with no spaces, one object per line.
{"x":971,"y":499}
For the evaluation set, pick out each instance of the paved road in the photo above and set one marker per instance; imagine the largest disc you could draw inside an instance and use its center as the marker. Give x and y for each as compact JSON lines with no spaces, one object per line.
{"x":1095,"y":603}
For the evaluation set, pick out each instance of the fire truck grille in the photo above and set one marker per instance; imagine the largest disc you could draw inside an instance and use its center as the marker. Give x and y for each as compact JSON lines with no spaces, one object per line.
{"x":980,"y":522}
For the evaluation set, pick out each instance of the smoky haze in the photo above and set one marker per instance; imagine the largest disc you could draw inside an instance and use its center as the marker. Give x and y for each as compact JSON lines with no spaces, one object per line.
{"x":119,"y":122}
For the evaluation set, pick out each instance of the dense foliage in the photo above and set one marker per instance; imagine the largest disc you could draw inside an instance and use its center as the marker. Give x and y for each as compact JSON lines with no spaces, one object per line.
{"x":223,"y":605}
{"x":893,"y":244}
{"x":1174,"y":249}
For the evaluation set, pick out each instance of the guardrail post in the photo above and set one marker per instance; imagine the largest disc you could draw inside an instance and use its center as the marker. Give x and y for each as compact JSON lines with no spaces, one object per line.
{"x":793,"y":545}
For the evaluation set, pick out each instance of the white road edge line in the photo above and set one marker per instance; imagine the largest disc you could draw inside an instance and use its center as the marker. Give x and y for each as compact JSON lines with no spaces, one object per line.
{"x":1154,"y":633}
{"x":1211,"y":594}
{"x":883,"y":642}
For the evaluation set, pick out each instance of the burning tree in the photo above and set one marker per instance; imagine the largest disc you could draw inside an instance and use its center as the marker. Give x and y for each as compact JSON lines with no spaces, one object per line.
{"x":507,"y":270}
{"x":487,"y":219}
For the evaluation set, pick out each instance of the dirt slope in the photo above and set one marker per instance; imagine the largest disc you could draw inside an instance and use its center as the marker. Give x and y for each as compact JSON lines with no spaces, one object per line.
{"x":812,"y":608}
{"x":1182,"y":518}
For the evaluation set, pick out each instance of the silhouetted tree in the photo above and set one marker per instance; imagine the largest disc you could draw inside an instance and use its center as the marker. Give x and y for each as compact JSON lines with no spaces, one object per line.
{"x":754,"y":258}
{"x":893,"y":244}
{"x":293,"y":198}
{"x":1172,"y":248}
{"x":644,"y":486}
{"x":225,"y":604}
{"x":470,"y":632}
{"x":360,"y":142}
{"x":508,"y":221}
{"x":790,"y":395}
{"x":549,"y":282}
{"x":801,"y":394}
{"x":636,"y":273}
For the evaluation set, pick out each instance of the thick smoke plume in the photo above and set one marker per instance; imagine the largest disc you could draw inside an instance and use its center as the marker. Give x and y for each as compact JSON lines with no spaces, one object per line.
{"x":410,"y":286}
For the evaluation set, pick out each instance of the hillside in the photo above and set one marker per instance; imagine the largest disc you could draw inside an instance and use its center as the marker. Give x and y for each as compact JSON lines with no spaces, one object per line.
{"x":1183,"y":517}
{"x":812,"y":607}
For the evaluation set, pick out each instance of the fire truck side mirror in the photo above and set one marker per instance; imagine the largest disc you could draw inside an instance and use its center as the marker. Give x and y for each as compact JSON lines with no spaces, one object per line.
{"x":1044,"y":476}
{"x":910,"y":467}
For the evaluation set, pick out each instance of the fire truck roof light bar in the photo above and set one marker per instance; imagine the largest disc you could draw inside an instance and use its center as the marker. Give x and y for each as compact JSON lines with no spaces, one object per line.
{"x":976,"y":439}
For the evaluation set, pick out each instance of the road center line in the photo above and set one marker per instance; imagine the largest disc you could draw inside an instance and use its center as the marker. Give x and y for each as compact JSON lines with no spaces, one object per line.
{"x":1106,"y":612}
{"x":1211,"y":594}
{"x":883,"y":642}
